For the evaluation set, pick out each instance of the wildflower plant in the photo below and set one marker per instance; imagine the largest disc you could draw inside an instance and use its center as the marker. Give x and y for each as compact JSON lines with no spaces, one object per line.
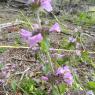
{"x":57,"y":70}
{"x":39,"y":36}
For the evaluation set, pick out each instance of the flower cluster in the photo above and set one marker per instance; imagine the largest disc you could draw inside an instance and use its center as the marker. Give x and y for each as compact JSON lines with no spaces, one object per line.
{"x":32,"y":40}
{"x":66,"y":74}
{"x":72,"y":40}
{"x":45,"y":4}
{"x":6,"y":71}
{"x":55,"y":28}
{"x":45,"y":78}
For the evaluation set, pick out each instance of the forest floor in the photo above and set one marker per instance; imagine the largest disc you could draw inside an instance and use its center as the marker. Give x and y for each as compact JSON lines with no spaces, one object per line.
{"x":24,"y":60}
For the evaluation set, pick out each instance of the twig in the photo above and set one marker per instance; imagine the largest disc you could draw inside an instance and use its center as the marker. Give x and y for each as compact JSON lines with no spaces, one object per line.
{"x":5,"y":25}
{"x":23,"y":73}
{"x":23,"y":60}
{"x":51,"y":49}
{"x":13,"y":47}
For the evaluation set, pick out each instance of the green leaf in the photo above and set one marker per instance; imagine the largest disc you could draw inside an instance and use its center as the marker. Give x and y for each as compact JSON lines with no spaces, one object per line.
{"x":62,"y":61}
{"x":1,"y":66}
{"x":2,"y":50}
{"x":91,"y":85}
{"x":85,"y":56}
{"x":45,"y":45}
{"x":62,"y":88}
{"x":46,"y":68}
{"x":13,"y":85}
{"x":31,"y":88}
{"x":55,"y":90}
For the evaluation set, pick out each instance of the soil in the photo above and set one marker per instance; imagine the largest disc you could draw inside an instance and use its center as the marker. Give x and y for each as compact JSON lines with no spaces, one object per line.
{"x":24,"y":58}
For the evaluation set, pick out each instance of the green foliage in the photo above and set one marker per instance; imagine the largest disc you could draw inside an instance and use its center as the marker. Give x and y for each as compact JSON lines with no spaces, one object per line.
{"x":2,"y":50}
{"x":17,"y":40}
{"x":30,"y":86}
{"x":13,"y":85}
{"x":55,"y":90}
{"x":91,"y":85}
{"x":46,"y":68}
{"x":85,"y":19}
{"x":45,"y":45}
{"x":62,"y":88}
{"x":1,"y":66}
{"x":62,"y":61}
{"x":85,"y":57}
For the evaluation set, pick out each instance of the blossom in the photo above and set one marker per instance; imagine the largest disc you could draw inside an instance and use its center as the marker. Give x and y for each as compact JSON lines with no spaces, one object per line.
{"x":72,"y":40}
{"x":55,"y":27}
{"x":29,"y":38}
{"x":46,"y":4}
{"x":68,"y":78}
{"x":25,"y":34}
{"x":60,"y":71}
{"x":66,"y":74}
{"x":44,"y":78}
{"x":35,"y":39}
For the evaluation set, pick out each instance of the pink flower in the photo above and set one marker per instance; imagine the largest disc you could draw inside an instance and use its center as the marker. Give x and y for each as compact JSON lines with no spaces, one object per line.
{"x":35,"y":39}
{"x":68,"y":78}
{"x":44,"y":78}
{"x":60,"y":71}
{"x":46,"y":4}
{"x":25,"y":34}
{"x":72,"y":40}
{"x":55,"y":27}
{"x":65,"y":72}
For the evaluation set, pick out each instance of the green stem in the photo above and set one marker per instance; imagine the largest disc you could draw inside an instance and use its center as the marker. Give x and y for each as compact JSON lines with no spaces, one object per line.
{"x":38,"y":18}
{"x":50,"y":61}
{"x":58,"y":89}
{"x":27,"y":20}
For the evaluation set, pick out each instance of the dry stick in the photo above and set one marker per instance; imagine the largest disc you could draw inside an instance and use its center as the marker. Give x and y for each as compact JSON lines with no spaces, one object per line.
{"x":16,"y":22}
{"x":51,"y":49}
{"x":23,"y":73}
{"x":23,"y":60}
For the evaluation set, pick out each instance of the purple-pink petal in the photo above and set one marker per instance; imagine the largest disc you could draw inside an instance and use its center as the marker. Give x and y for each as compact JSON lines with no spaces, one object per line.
{"x":44,"y":78}
{"x":25,"y":34}
{"x":71,"y":39}
{"x":35,"y":39}
{"x":46,"y":5}
{"x":68,"y":81}
{"x":66,"y":74}
{"x":60,"y":71}
{"x":66,"y":68}
{"x":55,"y":27}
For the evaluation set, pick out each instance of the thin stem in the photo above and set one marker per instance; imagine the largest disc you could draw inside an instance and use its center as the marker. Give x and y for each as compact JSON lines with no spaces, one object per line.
{"x":13,"y":47}
{"x":27,"y":20}
{"x":65,"y":50}
{"x":58,"y":89}
{"x":38,"y":18}
{"x":50,"y":61}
